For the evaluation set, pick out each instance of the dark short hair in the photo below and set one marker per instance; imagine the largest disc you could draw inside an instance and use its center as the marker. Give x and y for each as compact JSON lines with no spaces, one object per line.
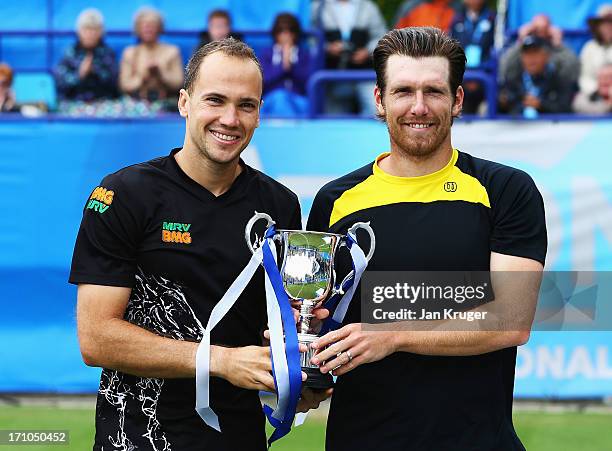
{"x":418,"y":42}
{"x":286,"y":21}
{"x":228,"y":46}
{"x":220,"y":13}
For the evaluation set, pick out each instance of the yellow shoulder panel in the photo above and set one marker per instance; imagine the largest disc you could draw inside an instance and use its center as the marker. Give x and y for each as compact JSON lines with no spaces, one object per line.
{"x":376,"y":191}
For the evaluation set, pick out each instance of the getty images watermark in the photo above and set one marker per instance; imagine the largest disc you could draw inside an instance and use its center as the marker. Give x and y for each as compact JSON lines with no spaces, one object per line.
{"x":482,"y":300}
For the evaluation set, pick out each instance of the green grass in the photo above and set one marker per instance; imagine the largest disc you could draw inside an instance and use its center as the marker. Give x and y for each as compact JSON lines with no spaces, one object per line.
{"x":79,"y":423}
{"x":539,"y":431}
{"x":305,"y":290}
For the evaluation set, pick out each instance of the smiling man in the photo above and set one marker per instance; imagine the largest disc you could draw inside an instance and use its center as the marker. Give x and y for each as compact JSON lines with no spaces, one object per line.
{"x":433,"y":208}
{"x":160,"y":243}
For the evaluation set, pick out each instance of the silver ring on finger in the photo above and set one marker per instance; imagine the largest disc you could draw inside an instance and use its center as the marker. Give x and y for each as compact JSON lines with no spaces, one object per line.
{"x":350,"y":356}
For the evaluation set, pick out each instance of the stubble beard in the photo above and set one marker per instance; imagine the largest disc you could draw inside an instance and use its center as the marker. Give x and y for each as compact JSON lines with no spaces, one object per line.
{"x":206,"y":155}
{"x":418,"y":148}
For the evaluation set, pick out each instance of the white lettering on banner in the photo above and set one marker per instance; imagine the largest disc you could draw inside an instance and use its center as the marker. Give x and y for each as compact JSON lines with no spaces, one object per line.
{"x":591,"y":211}
{"x":550,"y":361}
{"x":524,"y":363}
{"x":580,"y":364}
{"x":604,"y":370}
{"x":559,"y":362}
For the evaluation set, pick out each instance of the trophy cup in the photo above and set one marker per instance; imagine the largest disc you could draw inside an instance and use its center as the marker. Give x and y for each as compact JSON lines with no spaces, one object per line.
{"x":306,"y":266}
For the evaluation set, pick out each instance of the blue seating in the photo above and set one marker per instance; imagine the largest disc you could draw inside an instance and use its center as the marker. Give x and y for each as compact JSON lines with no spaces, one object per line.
{"x":35,"y":87}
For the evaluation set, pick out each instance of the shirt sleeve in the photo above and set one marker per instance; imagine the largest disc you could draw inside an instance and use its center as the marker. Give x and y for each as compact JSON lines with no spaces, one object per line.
{"x":320,"y":212}
{"x":519,"y":224}
{"x":109,"y":236}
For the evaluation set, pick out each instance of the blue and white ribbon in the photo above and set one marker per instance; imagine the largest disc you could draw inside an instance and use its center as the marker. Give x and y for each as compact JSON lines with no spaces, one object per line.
{"x":285,"y":352}
{"x":203,"y":353}
{"x":360,"y":263}
{"x":283,"y":343}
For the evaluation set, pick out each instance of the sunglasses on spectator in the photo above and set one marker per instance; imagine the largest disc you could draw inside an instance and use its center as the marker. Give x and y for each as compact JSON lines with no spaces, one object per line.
{"x":4,"y":83}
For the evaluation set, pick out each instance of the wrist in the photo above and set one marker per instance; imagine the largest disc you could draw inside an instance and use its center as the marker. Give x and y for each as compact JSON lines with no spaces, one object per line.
{"x":400,"y":341}
{"x":393,"y":342}
{"x":218,"y":356}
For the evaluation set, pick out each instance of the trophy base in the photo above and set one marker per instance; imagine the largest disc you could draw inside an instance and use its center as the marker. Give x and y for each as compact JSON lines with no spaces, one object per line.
{"x":317,"y":380}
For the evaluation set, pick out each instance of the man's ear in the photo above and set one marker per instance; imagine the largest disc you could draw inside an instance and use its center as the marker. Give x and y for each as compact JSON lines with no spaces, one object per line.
{"x":378,"y":100}
{"x":458,"y":105}
{"x":182,"y":103}
{"x":259,"y":113}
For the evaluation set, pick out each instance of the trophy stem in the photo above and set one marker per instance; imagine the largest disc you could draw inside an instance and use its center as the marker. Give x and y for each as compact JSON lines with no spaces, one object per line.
{"x":316,"y":380}
{"x":306,"y":315}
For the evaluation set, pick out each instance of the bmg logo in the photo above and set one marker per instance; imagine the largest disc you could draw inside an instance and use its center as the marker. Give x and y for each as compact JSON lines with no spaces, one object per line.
{"x":450,"y":187}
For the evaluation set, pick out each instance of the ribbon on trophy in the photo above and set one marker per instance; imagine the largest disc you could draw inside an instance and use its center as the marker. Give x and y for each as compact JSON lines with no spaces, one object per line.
{"x":203,"y":353}
{"x":286,"y":368}
{"x":287,"y":362}
{"x":348,"y":285}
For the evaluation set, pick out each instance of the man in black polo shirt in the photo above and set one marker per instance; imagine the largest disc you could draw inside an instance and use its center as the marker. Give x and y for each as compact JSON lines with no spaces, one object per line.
{"x":433,"y":208}
{"x":160,"y":243}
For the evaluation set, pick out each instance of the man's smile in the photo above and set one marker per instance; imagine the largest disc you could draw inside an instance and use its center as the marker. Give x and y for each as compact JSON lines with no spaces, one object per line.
{"x":225,"y":138}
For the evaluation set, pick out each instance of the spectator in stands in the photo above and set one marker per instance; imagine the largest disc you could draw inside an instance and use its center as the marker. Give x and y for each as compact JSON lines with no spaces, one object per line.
{"x":7,"y":96}
{"x":286,"y":68}
{"x":537,"y":86}
{"x":564,"y":58}
{"x":219,"y":26}
{"x":88,"y":70}
{"x":427,"y":13}
{"x":595,"y":58}
{"x":352,"y":29}
{"x":474,"y":26}
{"x":151,"y":70}
{"x":600,"y":101}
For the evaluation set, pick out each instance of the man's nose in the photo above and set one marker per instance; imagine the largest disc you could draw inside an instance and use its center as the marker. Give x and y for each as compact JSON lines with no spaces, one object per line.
{"x":420,"y":107}
{"x":229,"y":116}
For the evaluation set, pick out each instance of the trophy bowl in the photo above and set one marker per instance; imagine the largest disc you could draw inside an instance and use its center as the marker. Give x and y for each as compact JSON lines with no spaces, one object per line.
{"x":306,"y":265}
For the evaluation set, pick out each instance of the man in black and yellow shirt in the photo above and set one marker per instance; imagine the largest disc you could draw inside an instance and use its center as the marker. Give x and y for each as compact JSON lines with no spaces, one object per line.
{"x":433,"y":208}
{"x":160,"y":243}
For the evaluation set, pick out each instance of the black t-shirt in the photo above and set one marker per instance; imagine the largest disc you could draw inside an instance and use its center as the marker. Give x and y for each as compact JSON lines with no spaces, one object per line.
{"x":450,"y":220}
{"x":153,"y":229}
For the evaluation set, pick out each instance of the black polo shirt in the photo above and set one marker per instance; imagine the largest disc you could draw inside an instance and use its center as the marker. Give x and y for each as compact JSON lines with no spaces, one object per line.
{"x":152,"y":228}
{"x":450,"y":220}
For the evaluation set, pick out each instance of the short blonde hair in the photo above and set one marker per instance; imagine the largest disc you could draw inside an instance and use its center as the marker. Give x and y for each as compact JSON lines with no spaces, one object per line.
{"x":90,"y":17}
{"x":145,"y":12}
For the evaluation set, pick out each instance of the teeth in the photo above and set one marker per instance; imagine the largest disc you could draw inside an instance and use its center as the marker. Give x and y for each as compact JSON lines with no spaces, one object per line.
{"x":224,"y":137}
{"x":420,"y":125}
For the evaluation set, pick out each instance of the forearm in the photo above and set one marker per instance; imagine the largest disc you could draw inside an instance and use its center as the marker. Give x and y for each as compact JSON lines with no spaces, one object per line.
{"x":123,"y":346}
{"x":456,"y":343}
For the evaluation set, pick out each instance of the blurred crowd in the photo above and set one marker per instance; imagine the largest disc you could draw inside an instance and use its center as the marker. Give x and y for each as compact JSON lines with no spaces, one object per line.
{"x":536,"y":72}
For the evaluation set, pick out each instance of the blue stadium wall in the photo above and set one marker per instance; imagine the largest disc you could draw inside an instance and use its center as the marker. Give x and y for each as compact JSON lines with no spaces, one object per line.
{"x":49,"y":167}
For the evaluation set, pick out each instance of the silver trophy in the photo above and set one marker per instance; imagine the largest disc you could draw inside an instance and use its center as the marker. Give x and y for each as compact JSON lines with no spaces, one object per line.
{"x":306,"y":266}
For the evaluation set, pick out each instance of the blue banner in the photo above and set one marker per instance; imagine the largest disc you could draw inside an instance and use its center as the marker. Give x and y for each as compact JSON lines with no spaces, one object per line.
{"x":48,"y":169}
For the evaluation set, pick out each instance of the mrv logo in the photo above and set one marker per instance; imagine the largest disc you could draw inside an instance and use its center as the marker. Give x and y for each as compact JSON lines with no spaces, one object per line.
{"x":176,"y":232}
{"x":100,"y":199}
